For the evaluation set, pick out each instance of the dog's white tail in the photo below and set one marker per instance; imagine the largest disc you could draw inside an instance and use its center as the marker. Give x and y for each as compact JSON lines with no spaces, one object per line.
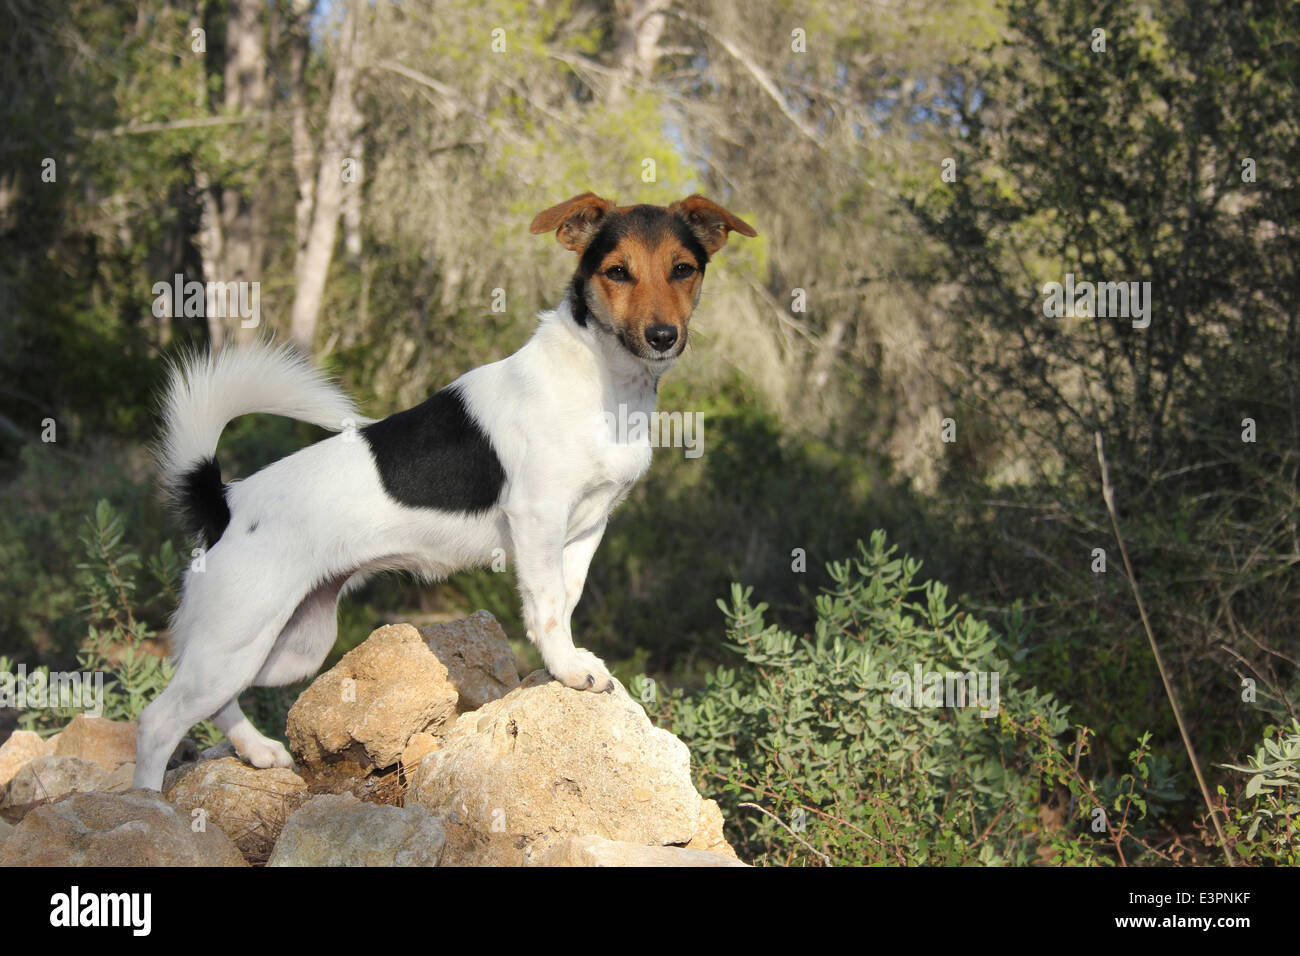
{"x":206,"y":391}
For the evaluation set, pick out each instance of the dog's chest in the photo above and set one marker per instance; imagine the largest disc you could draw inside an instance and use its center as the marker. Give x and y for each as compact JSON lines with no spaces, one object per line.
{"x":623,"y":463}
{"x":615,"y":470}
{"x":623,"y":448}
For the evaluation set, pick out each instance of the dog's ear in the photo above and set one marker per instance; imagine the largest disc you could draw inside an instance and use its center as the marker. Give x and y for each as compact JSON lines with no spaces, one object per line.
{"x":709,"y":221}
{"x":575,"y":220}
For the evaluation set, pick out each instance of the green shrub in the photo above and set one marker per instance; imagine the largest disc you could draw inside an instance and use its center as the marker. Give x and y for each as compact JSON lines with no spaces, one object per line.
{"x":819,"y":758}
{"x":42,"y":512}
{"x":116,"y":631}
{"x":1267,"y":829}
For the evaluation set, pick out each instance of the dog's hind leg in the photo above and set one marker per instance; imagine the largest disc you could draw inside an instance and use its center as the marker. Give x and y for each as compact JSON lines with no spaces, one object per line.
{"x":212,"y":671}
{"x":298,"y":652}
{"x":306,"y":640}
{"x":252,"y":747}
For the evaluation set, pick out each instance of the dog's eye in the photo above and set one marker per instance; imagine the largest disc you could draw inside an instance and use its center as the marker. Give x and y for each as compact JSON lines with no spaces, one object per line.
{"x":683,"y":270}
{"x":618,"y":274}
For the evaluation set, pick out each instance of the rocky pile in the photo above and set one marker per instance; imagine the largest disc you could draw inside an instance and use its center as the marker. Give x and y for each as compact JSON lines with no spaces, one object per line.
{"x":421,"y":747}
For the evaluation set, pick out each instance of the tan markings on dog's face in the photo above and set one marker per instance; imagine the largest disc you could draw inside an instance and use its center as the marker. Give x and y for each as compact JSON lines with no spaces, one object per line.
{"x":647,"y":281}
{"x":641,"y":268}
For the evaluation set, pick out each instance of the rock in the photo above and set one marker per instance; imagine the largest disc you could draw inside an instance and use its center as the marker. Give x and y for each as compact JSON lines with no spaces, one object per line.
{"x":545,"y":763}
{"x":416,"y":749}
{"x":187,"y":751}
{"x":708,"y":835}
{"x":369,"y":705}
{"x":217,"y":751}
{"x":597,"y":851}
{"x":479,"y":661}
{"x":182,"y":762}
{"x":176,"y":775}
{"x":50,"y":777}
{"x":108,"y":743}
{"x":6,"y":828}
{"x":137,"y":828}
{"x":120,"y":780}
{"x":249,"y":805}
{"x":340,"y":830}
{"x":21,"y":747}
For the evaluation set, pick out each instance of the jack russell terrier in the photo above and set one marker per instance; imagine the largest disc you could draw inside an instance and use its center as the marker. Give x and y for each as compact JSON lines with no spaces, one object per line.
{"x":515,"y":457}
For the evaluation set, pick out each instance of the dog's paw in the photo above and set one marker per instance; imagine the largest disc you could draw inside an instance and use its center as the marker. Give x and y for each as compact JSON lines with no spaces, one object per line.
{"x":581,"y":670}
{"x":265,"y":753}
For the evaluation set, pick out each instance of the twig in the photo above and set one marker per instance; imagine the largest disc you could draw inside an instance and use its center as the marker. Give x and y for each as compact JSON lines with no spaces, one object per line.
{"x":825,"y":859}
{"x":1108,"y":495}
{"x":198,"y":122}
{"x":424,"y":79}
{"x":760,"y":75}
{"x":1116,"y":836}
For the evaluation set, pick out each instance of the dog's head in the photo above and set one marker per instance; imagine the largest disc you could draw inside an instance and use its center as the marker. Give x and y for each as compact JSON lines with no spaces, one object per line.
{"x":640,"y":268}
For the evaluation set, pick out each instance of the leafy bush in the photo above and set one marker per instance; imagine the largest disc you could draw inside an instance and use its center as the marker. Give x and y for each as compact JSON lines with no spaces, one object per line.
{"x":42,"y":513}
{"x":117,"y":634}
{"x":1207,"y":504}
{"x":814,"y":736}
{"x":1271,"y":821}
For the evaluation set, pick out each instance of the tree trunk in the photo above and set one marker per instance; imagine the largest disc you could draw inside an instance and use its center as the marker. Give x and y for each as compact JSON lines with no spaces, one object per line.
{"x":243,"y":219}
{"x":209,"y":241}
{"x":352,"y":205}
{"x":342,"y":124}
{"x":211,"y":249}
{"x":304,"y":150}
{"x":636,"y":49}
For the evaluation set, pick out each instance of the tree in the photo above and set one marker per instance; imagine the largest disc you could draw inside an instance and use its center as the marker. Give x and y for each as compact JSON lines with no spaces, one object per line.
{"x":1157,"y":151}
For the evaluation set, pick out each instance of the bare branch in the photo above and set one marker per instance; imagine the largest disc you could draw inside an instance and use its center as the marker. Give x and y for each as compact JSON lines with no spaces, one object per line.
{"x":1108,"y":495}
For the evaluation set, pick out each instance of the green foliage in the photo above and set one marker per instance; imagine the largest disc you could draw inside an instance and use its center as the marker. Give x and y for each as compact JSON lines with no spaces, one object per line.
{"x":815,"y":735}
{"x":79,"y":252}
{"x":1267,"y":828}
{"x":117,"y":637}
{"x":738,"y":512}
{"x":1098,"y":822}
{"x":1127,"y":166}
{"x":42,"y":515}
{"x":811,"y":728}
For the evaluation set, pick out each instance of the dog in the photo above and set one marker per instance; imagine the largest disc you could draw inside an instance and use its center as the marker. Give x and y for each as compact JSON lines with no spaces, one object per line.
{"x":514,"y":457}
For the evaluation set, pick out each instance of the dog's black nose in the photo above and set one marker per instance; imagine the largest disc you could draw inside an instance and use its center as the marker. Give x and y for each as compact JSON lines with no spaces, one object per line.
{"x":661,"y":337}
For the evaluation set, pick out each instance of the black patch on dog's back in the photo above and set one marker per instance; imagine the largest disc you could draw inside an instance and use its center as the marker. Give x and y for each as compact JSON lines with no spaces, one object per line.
{"x":436,"y":455}
{"x":202,"y":499}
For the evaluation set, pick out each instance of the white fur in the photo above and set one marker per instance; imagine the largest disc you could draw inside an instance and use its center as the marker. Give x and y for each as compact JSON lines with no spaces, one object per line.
{"x":263,"y":609}
{"x":206,"y":391}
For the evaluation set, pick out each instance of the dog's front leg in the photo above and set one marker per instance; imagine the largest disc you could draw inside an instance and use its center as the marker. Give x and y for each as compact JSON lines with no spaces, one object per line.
{"x":577,"y":560}
{"x":538,"y":538}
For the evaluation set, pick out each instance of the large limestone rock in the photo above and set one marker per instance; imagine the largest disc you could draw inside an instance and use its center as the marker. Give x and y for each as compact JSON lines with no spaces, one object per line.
{"x":183,"y":762}
{"x":249,"y":805}
{"x":480,"y":664}
{"x":597,"y":851}
{"x":368,"y":706}
{"x":708,"y":834}
{"x":108,"y":743}
{"x":340,"y":830}
{"x":22,"y":747}
{"x":417,"y":748}
{"x":50,"y":777}
{"x":120,"y":780}
{"x":138,"y":828}
{"x":545,"y":763}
